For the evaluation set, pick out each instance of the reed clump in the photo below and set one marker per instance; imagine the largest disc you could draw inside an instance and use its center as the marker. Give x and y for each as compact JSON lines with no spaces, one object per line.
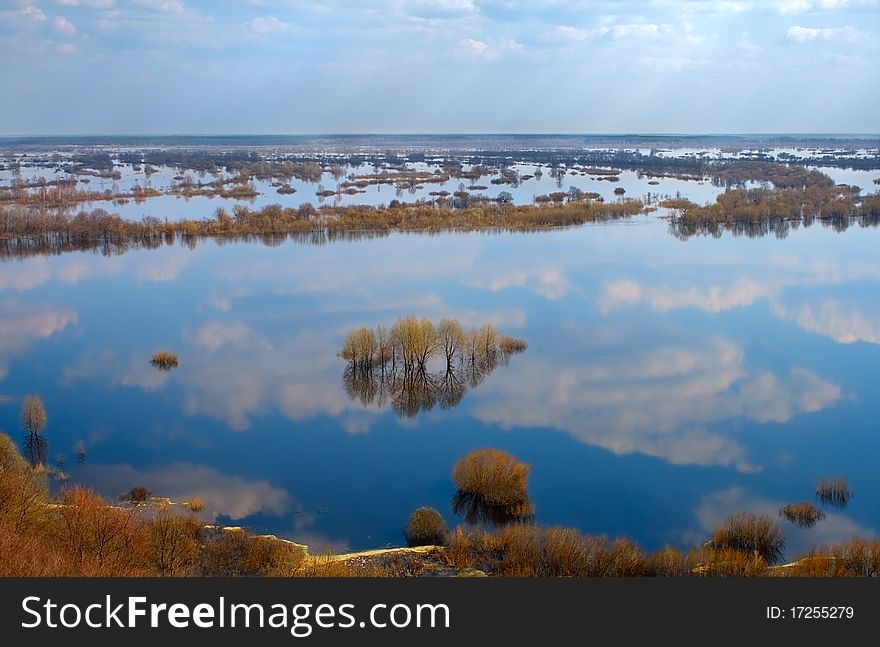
{"x":164,"y":360}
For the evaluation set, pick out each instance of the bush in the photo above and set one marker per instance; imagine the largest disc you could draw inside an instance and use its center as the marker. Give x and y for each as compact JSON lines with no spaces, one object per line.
{"x":163,"y":360}
{"x":752,"y":534}
{"x":493,"y":475}
{"x":195,"y":504}
{"x":511,"y":345}
{"x":137,"y":494}
{"x":803,"y":514}
{"x":426,"y":527}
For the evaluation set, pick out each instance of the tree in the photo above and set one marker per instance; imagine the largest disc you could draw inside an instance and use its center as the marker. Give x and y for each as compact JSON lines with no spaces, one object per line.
{"x":33,"y":414}
{"x":452,"y":340}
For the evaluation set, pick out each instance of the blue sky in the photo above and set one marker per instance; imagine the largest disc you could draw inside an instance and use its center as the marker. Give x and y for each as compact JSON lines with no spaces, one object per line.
{"x":327,"y":66}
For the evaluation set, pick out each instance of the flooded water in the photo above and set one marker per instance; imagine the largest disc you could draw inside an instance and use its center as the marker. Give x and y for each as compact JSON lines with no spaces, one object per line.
{"x":666,"y":385}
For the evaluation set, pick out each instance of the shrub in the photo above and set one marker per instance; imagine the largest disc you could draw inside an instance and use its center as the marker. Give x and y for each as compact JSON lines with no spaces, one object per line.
{"x":833,"y":491}
{"x":724,"y":561}
{"x":137,"y":494}
{"x":195,"y":504}
{"x":803,"y":514}
{"x":163,"y":360}
{"x":753,"y":534}
{"x":493,"y":475}
{"x":174,"y":546}
{"x":426,"y":527}
{"x":511,"y":345}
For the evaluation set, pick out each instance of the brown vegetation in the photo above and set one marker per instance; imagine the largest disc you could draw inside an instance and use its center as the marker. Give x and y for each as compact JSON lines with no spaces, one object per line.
{"x":164,"y":360}
{"x":833,"y":491}
{"x":755,"y":535}
{"x":137,"y":494}
{"x":426,"y":527}
{"x":392,"y":364}
{"x":803,"y":514}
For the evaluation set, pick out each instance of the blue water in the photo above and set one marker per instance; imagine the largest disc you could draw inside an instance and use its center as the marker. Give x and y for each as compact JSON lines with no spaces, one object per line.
{"x":666,"y":385}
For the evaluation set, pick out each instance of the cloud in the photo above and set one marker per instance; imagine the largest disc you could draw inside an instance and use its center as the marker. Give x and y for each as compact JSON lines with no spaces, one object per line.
{"x":66,"y":49}
{"x":793,"y":6}
{"x":471,"y":49}
{"x":717,"y":298}
{"x":163,"y":6}
{"x":265,"y":25}
{"x":660,"y":401}
{"x":33,"y":13}
{"x":215,"y":335}
{"x":828,"y":34}
{"x":134,"y":371}
{"x":64,"y":26}
{"x":225,"y":495}
{"x":94,"y":4}
{"x":164,"y":267}
{"x":23,"y":325}
{"x":550,"y":281}
{"x":843,"y":321}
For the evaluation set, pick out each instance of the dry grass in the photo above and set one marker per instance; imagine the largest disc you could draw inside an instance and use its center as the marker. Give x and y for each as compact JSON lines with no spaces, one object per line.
{"x":524,"y":550}
{"x":752,"y":534}
{"x":804,"y":514}
{"x":164,"y":360}
{"x":426,"y":527}
{"x":833,"y":491}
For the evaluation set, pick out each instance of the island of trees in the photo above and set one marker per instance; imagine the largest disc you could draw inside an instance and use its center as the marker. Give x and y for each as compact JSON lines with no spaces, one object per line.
{"x":416,"y":364}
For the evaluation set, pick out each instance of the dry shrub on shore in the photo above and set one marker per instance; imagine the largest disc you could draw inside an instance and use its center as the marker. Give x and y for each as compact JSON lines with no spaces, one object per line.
{"x":524,"y":550}
{"x":753,"y":534}
{"x":426,"y":527}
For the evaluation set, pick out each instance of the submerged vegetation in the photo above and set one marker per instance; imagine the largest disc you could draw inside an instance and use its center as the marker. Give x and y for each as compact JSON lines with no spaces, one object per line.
{"x":33,"y":420}
{"x":164,"y":360}
{"x":394,"y":365}
{"x":491,"y":488}
{"x":833,"y":491}
{"x":804,"y":514}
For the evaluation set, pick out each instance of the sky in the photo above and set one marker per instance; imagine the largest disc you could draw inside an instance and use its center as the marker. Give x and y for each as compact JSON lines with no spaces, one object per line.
{"x":443,"y":66}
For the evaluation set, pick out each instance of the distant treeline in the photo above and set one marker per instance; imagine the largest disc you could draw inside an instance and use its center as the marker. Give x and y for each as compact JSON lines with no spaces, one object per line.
{"x":30,"y":223}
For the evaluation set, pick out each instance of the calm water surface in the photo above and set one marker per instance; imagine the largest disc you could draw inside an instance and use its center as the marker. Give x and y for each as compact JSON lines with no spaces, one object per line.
{"x":667,"y":384}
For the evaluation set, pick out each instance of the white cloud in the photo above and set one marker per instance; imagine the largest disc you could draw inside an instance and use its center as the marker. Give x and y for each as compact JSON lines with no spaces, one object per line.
{"x":164,"y":6}
{"x":659,"y":401}
{"x":34,"y":13}
{"x":223,"y":494}
{"x":550,"y":281}
{"x":471,"y":49}
{"x":64,"y":26}
{"x":66,"y":49}
{"x":94,"y":4}
{"x":793,"y":6}
{"x":837,"y":34}
{"x":843,"y":321}
{"x":264,"y":25}
{"x":23,"y":324}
